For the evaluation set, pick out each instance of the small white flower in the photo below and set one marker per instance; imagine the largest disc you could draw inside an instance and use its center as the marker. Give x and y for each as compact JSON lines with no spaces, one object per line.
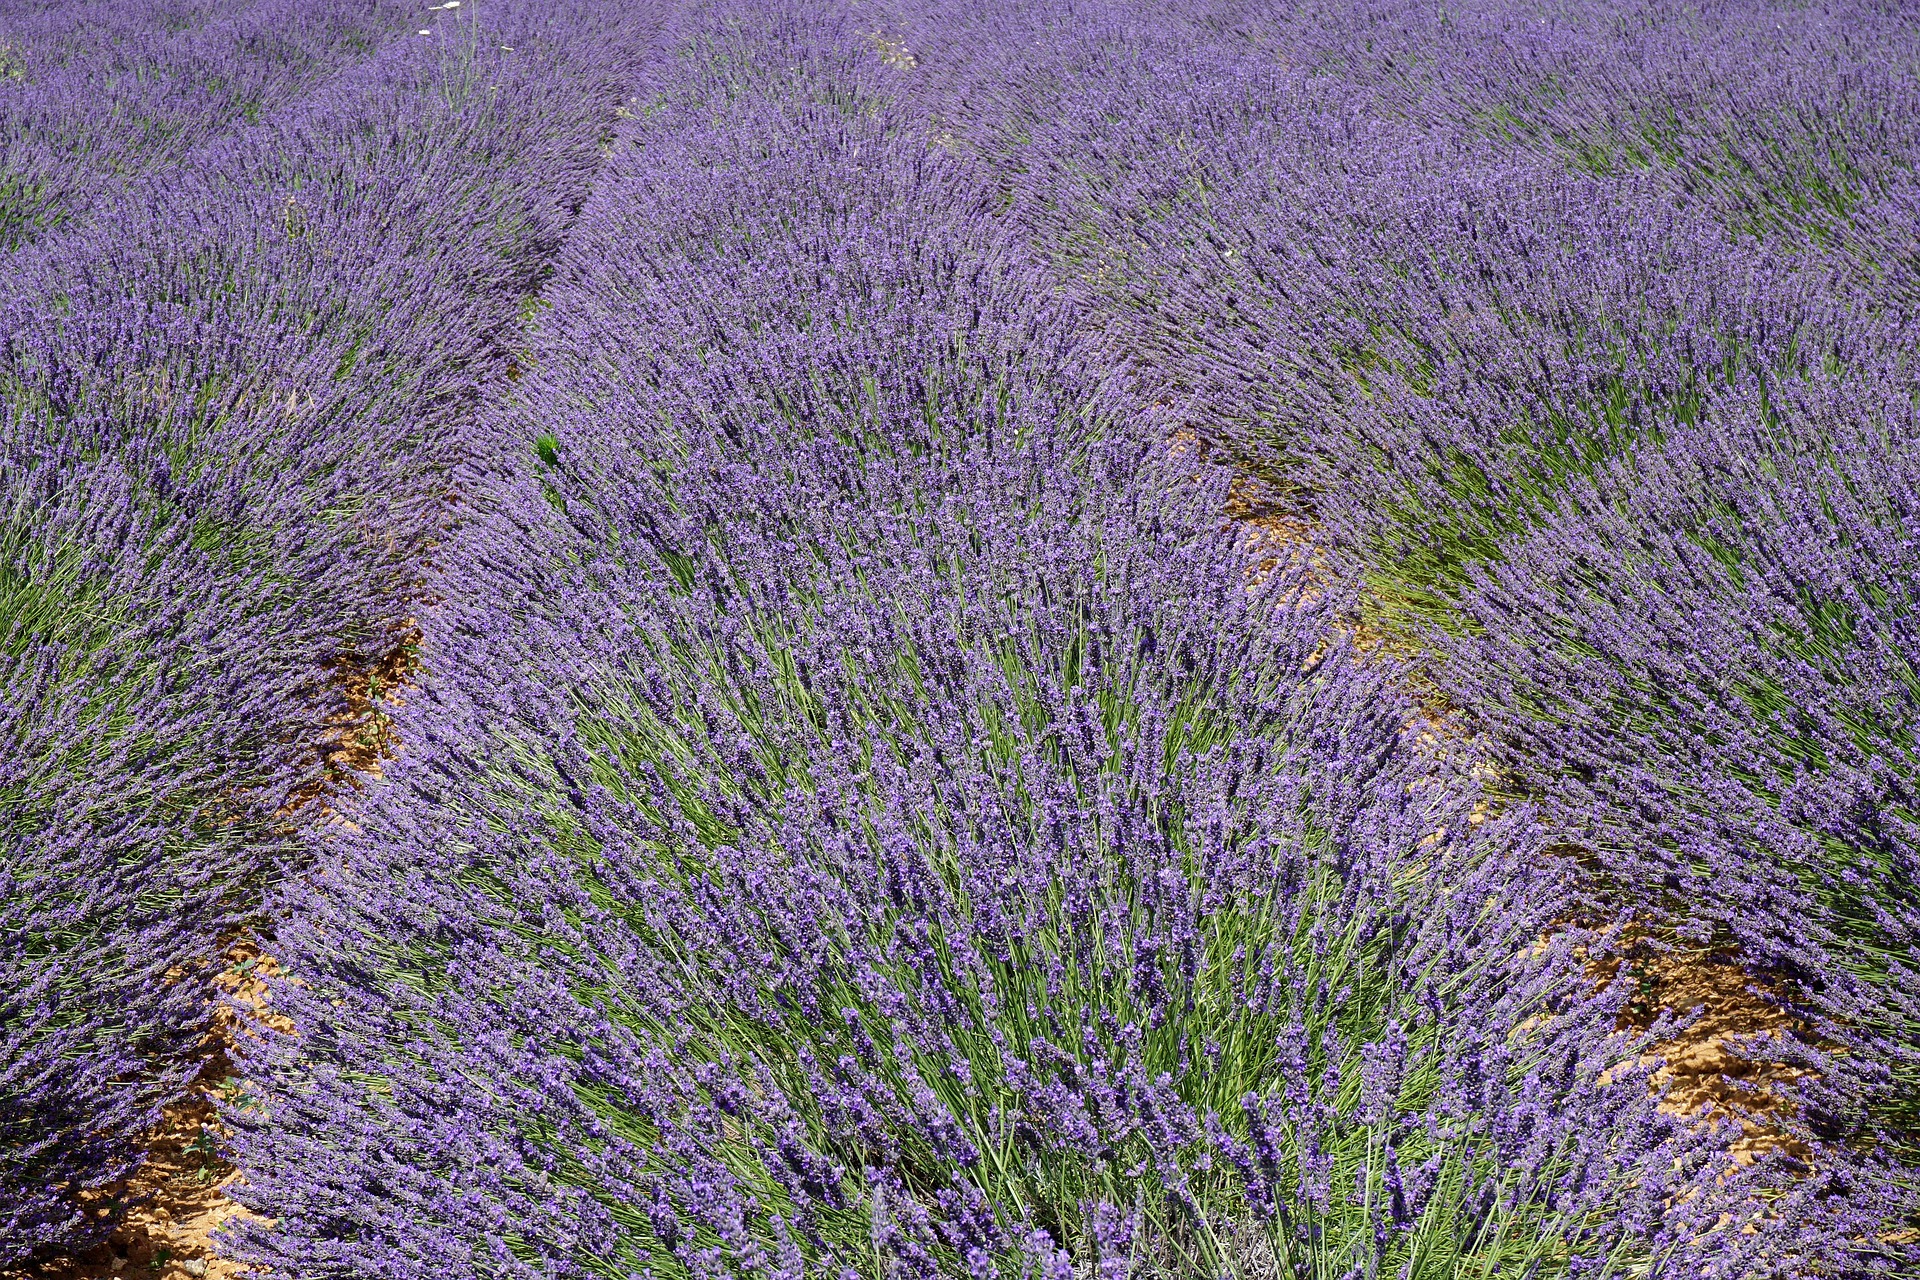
{"x":425,"y":32}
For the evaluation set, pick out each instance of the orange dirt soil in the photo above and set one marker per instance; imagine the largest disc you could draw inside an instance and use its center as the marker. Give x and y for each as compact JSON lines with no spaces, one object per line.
{"x":180,"y":1192}
{"x":1704,"y":1074}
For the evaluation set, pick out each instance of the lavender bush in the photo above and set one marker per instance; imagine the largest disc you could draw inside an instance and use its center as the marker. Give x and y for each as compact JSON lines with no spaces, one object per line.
{"x":92,"y":95}
{"x":216,"y":497}
{"x":1708,"y":672}
{"x":1415,"y":330}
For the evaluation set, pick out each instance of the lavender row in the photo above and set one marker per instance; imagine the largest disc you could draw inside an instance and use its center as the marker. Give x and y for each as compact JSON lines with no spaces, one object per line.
{"x":94,"y":96}
{"x":1793,"y":437}
{"x":229,"y":415}
{"x":1795,"y":127}
{"x":1415,"y":328}
{"x":862,"y":815}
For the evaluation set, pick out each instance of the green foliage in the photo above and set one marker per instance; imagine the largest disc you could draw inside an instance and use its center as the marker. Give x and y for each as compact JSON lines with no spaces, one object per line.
{"x":27,"y":208}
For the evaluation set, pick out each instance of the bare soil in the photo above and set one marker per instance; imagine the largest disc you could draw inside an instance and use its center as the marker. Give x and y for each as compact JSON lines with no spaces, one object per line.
{"x":1704,"y":1073}
{"x":179,"y":1194}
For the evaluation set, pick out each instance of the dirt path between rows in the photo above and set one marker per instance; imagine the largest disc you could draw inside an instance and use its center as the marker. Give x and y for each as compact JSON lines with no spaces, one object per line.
{"x":1711,"y":1070}
{"x":177,"y":1200}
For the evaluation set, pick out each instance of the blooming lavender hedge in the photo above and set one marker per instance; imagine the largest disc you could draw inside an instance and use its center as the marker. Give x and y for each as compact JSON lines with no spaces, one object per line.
{"x":1313,"y":248}
{"x":217,"y":495}
{"x":1708,"y":671}
{"x":862,"y":812}
{"x":865,"y":815}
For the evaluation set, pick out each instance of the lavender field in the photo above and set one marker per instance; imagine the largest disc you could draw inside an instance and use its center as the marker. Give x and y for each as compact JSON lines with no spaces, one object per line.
{"x":1059,"y":640}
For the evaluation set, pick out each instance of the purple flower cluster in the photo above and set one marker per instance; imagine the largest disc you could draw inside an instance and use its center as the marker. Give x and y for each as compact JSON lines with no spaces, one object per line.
{"x":863,"y":809}
{"x":863,"y":813}
{"x":229,"y":399}
{"x":95,"y":95}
